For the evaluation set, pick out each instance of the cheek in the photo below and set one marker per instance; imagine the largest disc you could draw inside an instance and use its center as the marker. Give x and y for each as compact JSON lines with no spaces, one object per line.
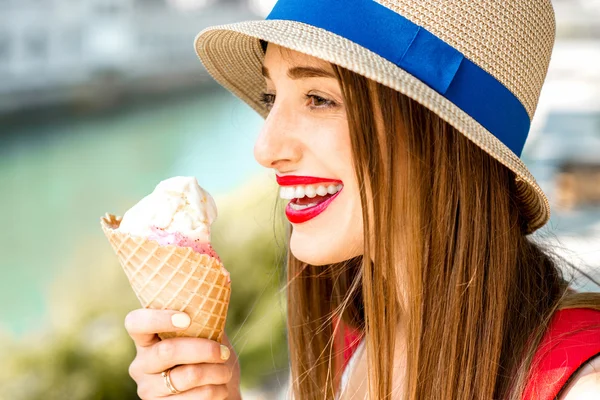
{"x":336,"y":234}
{"x":331,"y":144}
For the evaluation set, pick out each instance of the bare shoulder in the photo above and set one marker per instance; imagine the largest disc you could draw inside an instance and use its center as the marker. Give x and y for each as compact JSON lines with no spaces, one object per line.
{"x":585,"y":384}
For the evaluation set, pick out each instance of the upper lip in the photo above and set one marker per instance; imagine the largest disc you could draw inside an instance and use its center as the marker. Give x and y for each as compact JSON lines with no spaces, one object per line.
{"x":294,"y":180}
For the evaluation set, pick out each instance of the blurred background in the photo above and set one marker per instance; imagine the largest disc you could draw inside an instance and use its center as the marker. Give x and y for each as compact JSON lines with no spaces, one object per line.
{"x":102,"y":99}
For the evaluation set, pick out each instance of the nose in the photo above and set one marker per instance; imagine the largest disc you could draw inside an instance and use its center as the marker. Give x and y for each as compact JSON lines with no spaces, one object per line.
{"x":277,"y":145}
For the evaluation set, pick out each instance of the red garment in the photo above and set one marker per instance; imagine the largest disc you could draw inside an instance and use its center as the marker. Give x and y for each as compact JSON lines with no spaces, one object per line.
{"x":346,"y":340}
{"x":572,"y":339}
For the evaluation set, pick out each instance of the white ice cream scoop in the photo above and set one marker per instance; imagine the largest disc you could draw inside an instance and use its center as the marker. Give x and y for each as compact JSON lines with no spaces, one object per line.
{"x":177,"y":205}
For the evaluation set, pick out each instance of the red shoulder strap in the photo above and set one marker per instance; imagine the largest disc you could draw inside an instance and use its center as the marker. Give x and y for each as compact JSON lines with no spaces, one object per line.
{"x":572,"y":338}
{"x":346,"y":340}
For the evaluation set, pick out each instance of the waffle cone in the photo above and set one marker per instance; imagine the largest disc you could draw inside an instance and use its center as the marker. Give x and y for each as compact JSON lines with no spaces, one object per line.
{"x":175,"y":278}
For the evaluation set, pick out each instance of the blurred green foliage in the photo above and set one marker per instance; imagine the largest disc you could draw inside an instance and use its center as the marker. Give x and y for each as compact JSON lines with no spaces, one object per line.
{"x":82,"y":351}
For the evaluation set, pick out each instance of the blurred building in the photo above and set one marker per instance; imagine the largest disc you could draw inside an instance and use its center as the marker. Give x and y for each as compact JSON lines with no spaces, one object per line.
{"x":60,"y":50}
{"x":563,"y":149}
{"x":577,"y":18}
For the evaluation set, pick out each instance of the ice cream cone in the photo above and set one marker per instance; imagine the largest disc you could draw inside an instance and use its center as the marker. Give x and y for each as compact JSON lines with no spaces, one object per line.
{"x":174,"y":278}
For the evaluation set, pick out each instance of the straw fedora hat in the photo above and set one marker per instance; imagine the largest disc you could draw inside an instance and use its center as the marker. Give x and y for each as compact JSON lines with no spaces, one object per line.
{"x":480,"y":65}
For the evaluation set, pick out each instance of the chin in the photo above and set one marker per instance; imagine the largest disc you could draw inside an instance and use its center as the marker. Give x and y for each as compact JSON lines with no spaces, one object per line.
{"x":323,"y":249}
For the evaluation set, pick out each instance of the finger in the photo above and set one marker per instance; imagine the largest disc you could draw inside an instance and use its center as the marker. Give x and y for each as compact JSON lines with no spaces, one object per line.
{"x":184,"y":350}
{"x":143,"y":324}
{"x":188,"y":377}
{"x":209,"y":392}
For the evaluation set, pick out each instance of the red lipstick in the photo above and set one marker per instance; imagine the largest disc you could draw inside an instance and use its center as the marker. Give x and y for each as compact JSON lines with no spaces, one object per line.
{"x":306,"y":214}
{"x":300,"y":216}
{"x":293,"y":180}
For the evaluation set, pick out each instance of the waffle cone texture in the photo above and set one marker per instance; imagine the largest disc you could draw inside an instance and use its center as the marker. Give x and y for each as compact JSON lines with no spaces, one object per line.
{"x":174,"y":278}
{"x":510,"y":40}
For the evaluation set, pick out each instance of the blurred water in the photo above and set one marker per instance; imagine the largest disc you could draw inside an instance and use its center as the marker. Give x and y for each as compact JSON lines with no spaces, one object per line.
{"x":59,"y":175}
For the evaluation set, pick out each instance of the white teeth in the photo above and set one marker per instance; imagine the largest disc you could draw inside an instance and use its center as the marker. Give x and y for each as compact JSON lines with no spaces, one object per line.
{"x":291,"y":192}
{"x":298,"y":192}
{"x":310,"y":191}
{"x":286,"y":192}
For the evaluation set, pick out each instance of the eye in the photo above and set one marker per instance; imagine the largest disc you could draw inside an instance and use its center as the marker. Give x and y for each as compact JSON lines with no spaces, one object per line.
{"x":317,"y":102}
{"x":267,"y":99}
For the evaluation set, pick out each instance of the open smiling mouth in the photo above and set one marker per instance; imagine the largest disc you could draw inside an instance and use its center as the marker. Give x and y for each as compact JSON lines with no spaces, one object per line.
{"x":306,"y":200}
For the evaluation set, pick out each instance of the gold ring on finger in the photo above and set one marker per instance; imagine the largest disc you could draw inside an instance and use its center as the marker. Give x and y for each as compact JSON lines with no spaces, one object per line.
{"x":167,"y":376}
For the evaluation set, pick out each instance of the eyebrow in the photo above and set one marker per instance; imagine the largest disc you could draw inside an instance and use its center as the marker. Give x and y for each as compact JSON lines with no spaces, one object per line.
{"x":302,"y":73}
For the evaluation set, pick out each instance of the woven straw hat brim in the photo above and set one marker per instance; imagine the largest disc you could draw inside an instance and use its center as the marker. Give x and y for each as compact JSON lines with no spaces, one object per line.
{"x":233,"y":56}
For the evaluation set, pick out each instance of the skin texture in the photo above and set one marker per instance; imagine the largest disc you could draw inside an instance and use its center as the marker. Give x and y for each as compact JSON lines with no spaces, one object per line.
{"x":585,"y":384}
{"x":198,"y":371}
{"x":307,"y":136}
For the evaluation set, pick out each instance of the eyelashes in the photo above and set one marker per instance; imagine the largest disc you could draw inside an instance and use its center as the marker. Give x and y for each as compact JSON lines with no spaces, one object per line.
{"x":318,"y":102}
{"x":267,"y":100}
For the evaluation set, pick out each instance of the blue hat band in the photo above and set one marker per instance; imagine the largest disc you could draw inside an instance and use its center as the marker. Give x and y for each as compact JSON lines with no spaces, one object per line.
{"x":423,"y":55}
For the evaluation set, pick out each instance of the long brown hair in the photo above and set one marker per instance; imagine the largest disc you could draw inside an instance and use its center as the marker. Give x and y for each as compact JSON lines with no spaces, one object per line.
{"x":446,"y":255}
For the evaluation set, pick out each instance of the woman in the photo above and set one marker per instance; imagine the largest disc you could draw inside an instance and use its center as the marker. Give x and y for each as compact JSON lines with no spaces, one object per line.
{"x":395,"y":128}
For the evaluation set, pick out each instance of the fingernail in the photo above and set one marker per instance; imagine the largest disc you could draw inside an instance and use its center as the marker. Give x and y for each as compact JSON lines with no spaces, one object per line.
{"x":225,"y":352}
{"x":180,"y":320}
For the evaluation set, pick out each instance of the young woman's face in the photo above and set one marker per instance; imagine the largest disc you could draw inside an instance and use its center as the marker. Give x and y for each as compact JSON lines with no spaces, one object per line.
{"x":305,"y":139}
